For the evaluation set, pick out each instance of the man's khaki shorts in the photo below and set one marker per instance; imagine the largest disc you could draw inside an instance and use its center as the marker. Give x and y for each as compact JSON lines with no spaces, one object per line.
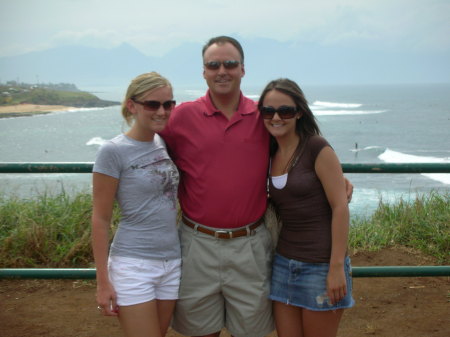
{"x":225,"y":283}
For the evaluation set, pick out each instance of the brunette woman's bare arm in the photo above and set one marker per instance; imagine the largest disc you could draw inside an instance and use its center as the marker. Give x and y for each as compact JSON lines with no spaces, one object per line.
{"x":329,"y":171}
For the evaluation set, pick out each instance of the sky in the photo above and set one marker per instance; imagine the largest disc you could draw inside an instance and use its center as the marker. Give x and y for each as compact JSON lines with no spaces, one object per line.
{"x":155,"y":27}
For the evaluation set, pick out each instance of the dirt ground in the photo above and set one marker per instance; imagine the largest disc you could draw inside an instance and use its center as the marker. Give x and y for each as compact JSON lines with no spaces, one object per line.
{"x":397,"y":307}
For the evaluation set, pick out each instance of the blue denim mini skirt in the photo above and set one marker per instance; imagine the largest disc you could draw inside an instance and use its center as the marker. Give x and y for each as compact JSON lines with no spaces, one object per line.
{"x":305,"y":284}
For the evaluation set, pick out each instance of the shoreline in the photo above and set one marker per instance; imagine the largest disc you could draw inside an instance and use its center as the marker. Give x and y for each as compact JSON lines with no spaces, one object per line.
{"x":21,"y":110}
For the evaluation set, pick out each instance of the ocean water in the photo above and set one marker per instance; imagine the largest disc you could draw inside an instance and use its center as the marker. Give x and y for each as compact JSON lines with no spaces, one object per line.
{"x":364,"y":124}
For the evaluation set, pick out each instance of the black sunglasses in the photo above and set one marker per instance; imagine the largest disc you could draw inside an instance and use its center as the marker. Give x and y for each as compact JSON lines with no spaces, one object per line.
{"x":214,"y":65}
{"x":284,"y":111}
{"x":155,"y":105}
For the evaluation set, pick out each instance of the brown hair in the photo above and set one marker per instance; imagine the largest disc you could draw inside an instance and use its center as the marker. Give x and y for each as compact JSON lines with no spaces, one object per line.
{"x":221,"y":40}
{"x":305,"y":127}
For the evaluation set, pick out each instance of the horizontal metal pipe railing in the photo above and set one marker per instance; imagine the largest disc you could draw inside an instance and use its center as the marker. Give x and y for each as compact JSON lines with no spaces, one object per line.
{"x":57,"y":167}
{"x":89,"y":273}
{"x":47,"y":273}
{"x":46,"y":167}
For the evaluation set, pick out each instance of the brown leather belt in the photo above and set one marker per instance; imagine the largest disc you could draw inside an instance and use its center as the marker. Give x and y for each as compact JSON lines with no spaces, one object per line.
{"x":222,"y":233}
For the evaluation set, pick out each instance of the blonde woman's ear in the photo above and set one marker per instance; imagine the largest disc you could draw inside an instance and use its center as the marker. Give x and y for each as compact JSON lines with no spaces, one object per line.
{"x":130,"y":106}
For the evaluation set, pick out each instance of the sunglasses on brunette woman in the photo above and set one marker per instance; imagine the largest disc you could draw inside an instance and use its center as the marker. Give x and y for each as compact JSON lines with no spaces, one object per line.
{"x":284,"y":111}
{"x":214,"y":65}
{"x":155,"y":105}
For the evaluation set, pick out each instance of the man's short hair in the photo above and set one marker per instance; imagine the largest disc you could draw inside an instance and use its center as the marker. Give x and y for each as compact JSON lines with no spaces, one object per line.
{"x":221,"y":40}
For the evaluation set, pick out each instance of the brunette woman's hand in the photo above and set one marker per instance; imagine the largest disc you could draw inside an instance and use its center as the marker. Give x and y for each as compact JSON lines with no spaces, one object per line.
{"x":336,"y":284}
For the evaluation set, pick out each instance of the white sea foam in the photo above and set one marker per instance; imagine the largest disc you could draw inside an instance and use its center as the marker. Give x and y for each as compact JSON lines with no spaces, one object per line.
{"x":441,"y":177}
{"x":69,"y":111}
{"x":194,"y":92}
{"x":368,"y":148}
{"x":92,"y":109}
{"x":321,"y":108}
{"x":95,"y":141}
{"x":391,"y":156}
{"x":322,"y":104}
{"x":345,"y":112}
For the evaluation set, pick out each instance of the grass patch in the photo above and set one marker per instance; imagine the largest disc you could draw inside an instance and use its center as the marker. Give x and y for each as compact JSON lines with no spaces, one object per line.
{"x":54,"y":231}
{"x":422,"y":224}
{"x":47,"y":231}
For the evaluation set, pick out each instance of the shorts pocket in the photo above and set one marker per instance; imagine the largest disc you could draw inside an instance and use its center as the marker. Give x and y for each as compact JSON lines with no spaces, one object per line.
{"x":186,"y":237}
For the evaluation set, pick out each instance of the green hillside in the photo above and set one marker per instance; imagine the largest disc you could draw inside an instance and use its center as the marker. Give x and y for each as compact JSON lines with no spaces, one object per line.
{"x":67,"y":95}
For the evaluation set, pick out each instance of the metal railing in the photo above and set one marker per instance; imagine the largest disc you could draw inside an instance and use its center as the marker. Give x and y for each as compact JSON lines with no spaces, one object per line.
{"x":89,"y":273}
{"x":14,"y":167}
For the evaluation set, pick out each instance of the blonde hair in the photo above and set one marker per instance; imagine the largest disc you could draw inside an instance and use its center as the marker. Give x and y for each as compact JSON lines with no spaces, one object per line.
{"x":139,"y":86}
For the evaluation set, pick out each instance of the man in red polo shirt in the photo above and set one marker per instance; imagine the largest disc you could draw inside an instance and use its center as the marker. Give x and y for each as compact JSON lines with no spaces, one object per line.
{"x":221,"y":149}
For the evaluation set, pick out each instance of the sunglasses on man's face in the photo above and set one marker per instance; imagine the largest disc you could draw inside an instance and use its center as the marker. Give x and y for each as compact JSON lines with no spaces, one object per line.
{"x":155,"y":105}
{"x":284,"y":111}
{"x":214,"y":65}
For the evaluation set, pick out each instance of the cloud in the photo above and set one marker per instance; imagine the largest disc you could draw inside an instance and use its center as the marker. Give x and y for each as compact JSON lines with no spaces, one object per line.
{"x":156,"y":27}
{"x":88,"y":37}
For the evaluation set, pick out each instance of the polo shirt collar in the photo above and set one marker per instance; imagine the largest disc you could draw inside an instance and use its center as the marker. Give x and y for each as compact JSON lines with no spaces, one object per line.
{"x":246,"y":106}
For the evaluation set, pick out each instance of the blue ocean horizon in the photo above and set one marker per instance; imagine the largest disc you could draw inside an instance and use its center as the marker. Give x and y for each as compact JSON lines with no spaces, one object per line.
{"x":364,"y":124}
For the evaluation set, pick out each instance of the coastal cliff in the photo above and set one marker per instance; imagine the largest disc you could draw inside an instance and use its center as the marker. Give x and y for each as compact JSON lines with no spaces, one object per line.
{"x":26,"y":99}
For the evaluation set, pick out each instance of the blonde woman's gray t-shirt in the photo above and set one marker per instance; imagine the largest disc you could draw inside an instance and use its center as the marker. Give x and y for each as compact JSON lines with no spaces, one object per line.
{"x":147,"y":197}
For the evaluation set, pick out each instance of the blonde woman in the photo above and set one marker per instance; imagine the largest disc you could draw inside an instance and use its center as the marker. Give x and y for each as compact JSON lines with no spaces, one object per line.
{"x":138,"y":276}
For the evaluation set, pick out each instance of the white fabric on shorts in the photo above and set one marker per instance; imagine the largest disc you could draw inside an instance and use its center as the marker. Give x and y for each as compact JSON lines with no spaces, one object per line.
{"x":137,"y":280}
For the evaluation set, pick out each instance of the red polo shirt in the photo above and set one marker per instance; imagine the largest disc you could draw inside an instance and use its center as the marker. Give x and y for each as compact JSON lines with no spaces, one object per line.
{"x":223,"y":163}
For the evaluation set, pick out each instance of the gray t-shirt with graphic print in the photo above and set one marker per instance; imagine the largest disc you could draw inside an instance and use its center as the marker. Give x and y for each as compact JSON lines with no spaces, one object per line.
{"x":147,"y":197}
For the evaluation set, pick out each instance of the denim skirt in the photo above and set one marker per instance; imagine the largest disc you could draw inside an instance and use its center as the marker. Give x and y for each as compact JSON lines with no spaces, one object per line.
{"x":305,"y":284}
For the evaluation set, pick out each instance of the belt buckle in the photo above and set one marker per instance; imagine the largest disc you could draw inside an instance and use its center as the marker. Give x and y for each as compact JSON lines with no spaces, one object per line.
{"x":217,"y":233}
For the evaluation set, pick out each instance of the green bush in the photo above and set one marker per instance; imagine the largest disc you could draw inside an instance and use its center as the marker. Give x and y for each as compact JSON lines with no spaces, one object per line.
{"x":423,"y":224}
{"x":49,"y":231}
{"x":55,"y":231}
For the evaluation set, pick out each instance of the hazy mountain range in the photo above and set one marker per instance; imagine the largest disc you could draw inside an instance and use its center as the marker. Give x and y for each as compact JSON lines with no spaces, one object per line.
{"x":264,"y":60}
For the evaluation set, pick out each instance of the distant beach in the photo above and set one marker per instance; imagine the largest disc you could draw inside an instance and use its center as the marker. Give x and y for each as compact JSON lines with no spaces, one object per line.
{"x":19,"y":110}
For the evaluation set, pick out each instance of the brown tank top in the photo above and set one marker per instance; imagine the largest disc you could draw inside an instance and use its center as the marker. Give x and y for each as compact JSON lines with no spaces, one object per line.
{"x":304,"y":210}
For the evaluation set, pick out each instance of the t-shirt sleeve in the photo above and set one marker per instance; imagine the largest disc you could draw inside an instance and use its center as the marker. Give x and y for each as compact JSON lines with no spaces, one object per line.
{"x":317,"y":144}
{"x":108,"y":160}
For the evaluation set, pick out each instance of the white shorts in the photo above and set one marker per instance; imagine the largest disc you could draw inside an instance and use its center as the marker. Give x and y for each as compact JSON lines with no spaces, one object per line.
{"x":137,"y":280}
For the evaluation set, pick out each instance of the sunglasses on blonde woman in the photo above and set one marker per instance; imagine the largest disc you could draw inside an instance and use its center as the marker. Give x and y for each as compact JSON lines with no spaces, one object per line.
{"x":155,"y":105}
{"x":284,"y":111}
